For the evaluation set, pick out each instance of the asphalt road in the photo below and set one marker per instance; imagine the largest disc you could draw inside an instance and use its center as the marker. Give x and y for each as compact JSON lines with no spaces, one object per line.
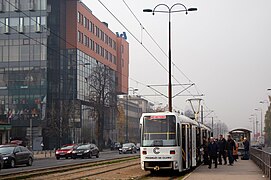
{"x":51,"y":162}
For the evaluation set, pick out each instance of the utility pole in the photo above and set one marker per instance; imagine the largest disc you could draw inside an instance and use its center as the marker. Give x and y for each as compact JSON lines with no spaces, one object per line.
{"x":212,"y":134}
{"x":202,"y":114}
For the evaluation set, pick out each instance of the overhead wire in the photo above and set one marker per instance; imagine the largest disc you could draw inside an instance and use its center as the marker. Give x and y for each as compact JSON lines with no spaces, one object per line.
{"x":76,"y":47}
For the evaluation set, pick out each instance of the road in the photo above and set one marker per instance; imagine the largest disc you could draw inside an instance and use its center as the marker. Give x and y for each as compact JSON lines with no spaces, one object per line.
{"x":51,"y":162}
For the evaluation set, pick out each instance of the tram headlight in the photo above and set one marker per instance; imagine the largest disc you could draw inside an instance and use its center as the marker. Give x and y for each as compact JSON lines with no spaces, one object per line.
{"x":176,"y":165}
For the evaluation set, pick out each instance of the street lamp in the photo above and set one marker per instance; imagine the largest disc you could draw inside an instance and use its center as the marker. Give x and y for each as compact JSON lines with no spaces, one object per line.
{"x":255,"y":123}
{"x":259,"y":109}
{"x":169,"y":41}
{"x":127,"y":112}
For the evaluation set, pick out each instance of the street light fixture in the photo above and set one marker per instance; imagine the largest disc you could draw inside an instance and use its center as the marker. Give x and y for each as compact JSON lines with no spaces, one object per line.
{"x":259,"y":109}
{"x":169,"y":11}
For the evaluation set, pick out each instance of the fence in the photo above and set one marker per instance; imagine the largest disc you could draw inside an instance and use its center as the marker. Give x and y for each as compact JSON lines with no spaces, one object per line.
{"x":44,"y":154}
{"x":262,"y":159}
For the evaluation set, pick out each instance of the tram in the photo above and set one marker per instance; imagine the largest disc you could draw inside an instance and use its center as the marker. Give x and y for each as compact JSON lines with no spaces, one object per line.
{"x":170,"y":141}
{"x":238,"y":136}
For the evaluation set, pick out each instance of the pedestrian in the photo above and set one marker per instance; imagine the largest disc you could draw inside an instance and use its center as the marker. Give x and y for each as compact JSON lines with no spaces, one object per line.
{"x":235,"y":152}
{"x":246,"y":149}
{"x":212,"y":151}
{"x":204,"y":147}
{"x":222,"y":150}
{"x":230,"y":147}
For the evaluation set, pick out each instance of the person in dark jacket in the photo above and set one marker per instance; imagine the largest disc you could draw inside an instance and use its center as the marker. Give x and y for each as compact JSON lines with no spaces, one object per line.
{"x":212,"y":151}
{"x":246,"y":148}
{"x":230,"y":147}
{"x":204,"y":146}
{"x":222,"y":149}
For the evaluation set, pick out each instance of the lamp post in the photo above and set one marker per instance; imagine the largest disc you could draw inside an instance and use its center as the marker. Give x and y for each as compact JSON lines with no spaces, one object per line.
{"x":255,"y":124}
{"x":259,"y":109}
{"x":169,"y":11}
{"x":127,"y":112}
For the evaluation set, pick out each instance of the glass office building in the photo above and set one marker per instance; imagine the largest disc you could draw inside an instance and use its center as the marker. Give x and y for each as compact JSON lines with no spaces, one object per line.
{"x":48,"y":52}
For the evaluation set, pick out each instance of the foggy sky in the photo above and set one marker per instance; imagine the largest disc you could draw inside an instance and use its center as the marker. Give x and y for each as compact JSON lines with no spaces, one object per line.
{"x":224,"y":48}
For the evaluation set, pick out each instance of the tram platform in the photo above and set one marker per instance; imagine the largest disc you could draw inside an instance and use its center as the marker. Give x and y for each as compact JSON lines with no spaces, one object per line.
{"x":241,"y":170}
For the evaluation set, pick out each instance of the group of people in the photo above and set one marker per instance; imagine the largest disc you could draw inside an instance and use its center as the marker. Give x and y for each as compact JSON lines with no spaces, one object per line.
{"x":216,"y":150}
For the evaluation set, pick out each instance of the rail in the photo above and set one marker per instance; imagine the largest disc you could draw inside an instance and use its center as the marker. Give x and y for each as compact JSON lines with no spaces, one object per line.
{"x":262,"y":159}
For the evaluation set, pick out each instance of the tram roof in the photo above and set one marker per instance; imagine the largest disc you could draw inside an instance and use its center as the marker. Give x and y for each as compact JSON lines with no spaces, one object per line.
{"x":240,"y":130}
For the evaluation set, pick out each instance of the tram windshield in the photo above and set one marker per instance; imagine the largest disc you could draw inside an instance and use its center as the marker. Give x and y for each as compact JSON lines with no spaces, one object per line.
{"x":159,"y":131}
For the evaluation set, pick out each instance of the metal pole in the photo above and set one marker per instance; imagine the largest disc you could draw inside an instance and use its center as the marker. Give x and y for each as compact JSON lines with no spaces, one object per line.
{"x":31,"y":138}
{"x":126,"y":124}
{"x":261,"y":122}
{"x":169,"y":65}
{"x":212,"y":134}
{"x":202,"y":114}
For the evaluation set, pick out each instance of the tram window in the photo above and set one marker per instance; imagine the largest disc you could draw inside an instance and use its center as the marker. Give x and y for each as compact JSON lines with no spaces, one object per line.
{"x":178,"y":134}
{"x":159,"y":131}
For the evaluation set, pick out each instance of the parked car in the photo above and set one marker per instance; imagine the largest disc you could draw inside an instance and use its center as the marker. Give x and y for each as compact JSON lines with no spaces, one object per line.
{"x":127,"y":148}
{"x":115,"y":146}
{"x":86,"y":150}
{"x":65,"y":151}
{"x":16,"y":155}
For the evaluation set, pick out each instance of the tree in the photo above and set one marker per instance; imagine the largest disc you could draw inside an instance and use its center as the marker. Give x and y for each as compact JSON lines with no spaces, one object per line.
{"x":102,"y":95}
{"x":58,"y":123}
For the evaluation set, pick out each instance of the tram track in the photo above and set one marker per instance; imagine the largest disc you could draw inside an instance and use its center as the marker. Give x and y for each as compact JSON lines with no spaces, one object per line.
{"x":68,"y":169}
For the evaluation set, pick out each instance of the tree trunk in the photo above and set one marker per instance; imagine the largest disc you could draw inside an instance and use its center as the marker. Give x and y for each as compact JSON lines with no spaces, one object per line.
{"x":101,"y":130}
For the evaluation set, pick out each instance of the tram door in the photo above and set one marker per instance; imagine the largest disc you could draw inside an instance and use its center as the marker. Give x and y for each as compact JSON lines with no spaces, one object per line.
{"x":189,"y":140}
{"x":194,"y":146}
{"x":184,"y":146}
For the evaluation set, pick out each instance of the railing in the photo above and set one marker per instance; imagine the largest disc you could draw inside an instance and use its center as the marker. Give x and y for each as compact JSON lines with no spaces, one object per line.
{"x":262,"y":159}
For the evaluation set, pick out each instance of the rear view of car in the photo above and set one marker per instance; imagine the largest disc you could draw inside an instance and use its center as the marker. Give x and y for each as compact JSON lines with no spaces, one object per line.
{"x":127,"y":148}
{"x":85,"y":151}
{"x":16,"y":155}
{"x":65,"y":151}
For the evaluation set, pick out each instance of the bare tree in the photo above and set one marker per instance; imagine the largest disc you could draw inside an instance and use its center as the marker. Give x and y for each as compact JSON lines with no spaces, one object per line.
{"x":102,"y":95}
{"x":58,"y":122}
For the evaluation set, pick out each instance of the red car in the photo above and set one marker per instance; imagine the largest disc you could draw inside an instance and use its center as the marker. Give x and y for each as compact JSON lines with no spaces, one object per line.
{"x":65,"y":151}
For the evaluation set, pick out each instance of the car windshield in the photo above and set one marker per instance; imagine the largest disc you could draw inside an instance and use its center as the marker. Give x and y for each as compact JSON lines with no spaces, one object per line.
{"x":126,"y":145}
{"x":159,"y":131}
{"x":6,"y":150}
{"x":84,"y":146}
{"x":66,"y":147}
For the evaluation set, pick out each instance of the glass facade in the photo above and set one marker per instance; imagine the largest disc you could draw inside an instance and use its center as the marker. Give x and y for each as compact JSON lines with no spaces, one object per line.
{"x":46,"y":89}
{"x":23,"y":65}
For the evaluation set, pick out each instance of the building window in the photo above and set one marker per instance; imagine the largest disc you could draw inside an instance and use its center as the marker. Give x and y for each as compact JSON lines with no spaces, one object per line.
{"x":21,"y":25}
{"x":106,"y":54}
{"x":80,"y":37}
{"x":38,"y":26}
{"x":97,"y":48}
{"x":32,"y":5}
{"x":78,"y":17}
{"x":114,"y":45}
{"x":110,"y":57}
{"x":106,"y":39}
{"x":114,"y":59}
{"x":110,"y":42}
{"x":6,"y":26}
{"x":1,"y":6}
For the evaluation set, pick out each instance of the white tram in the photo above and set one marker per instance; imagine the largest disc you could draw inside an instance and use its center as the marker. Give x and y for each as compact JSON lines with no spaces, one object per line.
{"x":170,"y":141}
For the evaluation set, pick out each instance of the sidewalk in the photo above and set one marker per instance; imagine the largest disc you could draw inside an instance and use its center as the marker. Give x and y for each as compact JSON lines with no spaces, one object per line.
{"x":241,"y":170}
